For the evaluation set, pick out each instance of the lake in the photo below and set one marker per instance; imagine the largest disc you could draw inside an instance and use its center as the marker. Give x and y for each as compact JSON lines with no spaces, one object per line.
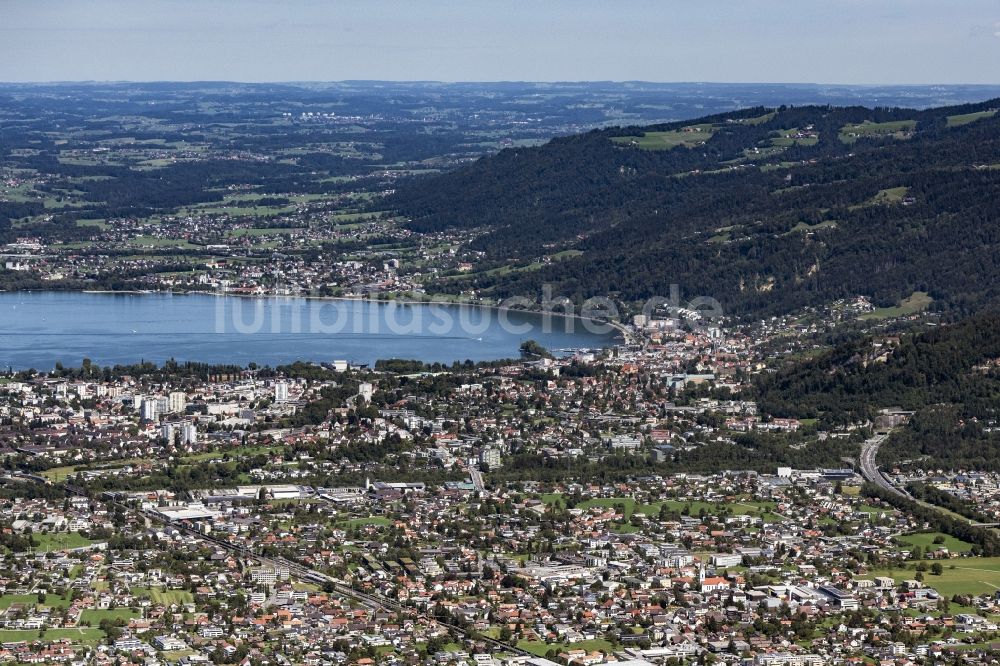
{"x":38,"y":329}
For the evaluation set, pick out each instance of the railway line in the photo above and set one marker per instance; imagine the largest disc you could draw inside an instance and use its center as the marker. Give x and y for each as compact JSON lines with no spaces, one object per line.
{"x":339,"y":586}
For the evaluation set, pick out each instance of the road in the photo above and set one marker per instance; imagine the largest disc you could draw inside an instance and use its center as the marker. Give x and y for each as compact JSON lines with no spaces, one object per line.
{"x":629,"y":336}
{"x":477,"y":479}
{"x":870,"y":470}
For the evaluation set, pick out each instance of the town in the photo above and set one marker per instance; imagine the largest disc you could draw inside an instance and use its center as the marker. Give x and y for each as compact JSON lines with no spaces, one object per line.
{"x":731,"y":398}
{"x":545,"y":510}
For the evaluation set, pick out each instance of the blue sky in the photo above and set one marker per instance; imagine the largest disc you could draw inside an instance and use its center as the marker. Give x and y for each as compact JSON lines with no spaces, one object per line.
{"x":827,"y":41}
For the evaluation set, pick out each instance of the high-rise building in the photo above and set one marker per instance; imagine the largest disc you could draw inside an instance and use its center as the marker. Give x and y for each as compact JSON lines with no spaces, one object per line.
{"x":281,"y":392}
{"x":148,"y":410}
{"x":490,"y":456}
{"x":177,"y":402}
{"x":188,"y":434}
{"x":167,"y":433}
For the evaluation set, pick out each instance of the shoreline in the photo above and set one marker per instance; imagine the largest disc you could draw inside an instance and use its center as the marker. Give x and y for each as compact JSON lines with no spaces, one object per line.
{"x":608,"y":334}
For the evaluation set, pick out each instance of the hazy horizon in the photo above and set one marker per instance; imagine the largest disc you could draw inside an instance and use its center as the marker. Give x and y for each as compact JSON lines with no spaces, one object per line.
{"x":840,"y":42}
{"x":503,"y":81}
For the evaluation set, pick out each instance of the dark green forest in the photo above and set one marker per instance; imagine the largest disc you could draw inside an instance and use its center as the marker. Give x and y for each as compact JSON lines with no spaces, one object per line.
{"x":763,"y":229}
{"x":947,"y":375}
{"x":942,"y":364}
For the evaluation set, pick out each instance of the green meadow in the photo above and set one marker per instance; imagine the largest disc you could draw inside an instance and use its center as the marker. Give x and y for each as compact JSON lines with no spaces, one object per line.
{"x":912,"y":304}
{"x":691,"y":136}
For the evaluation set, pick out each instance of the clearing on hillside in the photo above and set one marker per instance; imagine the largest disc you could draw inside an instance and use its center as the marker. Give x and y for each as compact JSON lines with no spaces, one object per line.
{"x":691,"y":136}
{"x":914,"y":303}
{"x":794,"y":137}
{"x":897,"y":129}
{"x":966,"y":118}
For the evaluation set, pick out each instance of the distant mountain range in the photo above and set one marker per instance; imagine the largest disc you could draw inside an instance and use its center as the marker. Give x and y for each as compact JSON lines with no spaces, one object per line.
{"x":766,"y":210}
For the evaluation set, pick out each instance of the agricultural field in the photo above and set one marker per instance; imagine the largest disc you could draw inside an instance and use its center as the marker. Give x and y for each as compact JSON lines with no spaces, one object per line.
{"x":912,"y":304}
{"x":803,"y":227}
{"x":93,"y":617}
{"x":58,"y":473}
{"x":925,"y":540}
{"x":892,"y":195}
{"x":95,"y":223}
{"x":886,"y":197}
{"x":158,"y":596}
{"x":791,"y":137}
{"x":51,"y":600}
{"x":897,"y":129}
{"x":541,"y":648}
{"x":378,"y":521}
{"x":81,"y":636}
{"x":54,"y":541}
{"x":158,"y":242}
{"x":689,"y":137}
{"x":966,"y":118}
{"x":758,"y":120}
{"x":248,"y":451}
{"x":264,"y":231}
{"x":61,"y":473}
{"x":964,"y":575}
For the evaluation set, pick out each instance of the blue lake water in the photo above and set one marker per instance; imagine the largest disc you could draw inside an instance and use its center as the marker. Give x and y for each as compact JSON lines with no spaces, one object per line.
{"x":37,"y":329}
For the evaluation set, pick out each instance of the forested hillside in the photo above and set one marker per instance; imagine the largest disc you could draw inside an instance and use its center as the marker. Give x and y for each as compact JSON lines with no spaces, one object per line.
{"x":940,"y":365}
{"x":764,"y":210}
{"x":948,"y":375}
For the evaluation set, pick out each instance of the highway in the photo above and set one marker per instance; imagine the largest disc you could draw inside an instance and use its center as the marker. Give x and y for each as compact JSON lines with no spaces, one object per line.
{"x":870,"y":470}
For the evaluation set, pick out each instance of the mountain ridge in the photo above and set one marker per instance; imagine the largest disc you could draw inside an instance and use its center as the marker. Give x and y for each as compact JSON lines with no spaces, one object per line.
{"x":766,"y":210}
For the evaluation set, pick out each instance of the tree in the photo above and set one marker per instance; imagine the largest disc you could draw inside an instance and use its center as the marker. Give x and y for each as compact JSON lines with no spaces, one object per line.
{"x":531,"y":349}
